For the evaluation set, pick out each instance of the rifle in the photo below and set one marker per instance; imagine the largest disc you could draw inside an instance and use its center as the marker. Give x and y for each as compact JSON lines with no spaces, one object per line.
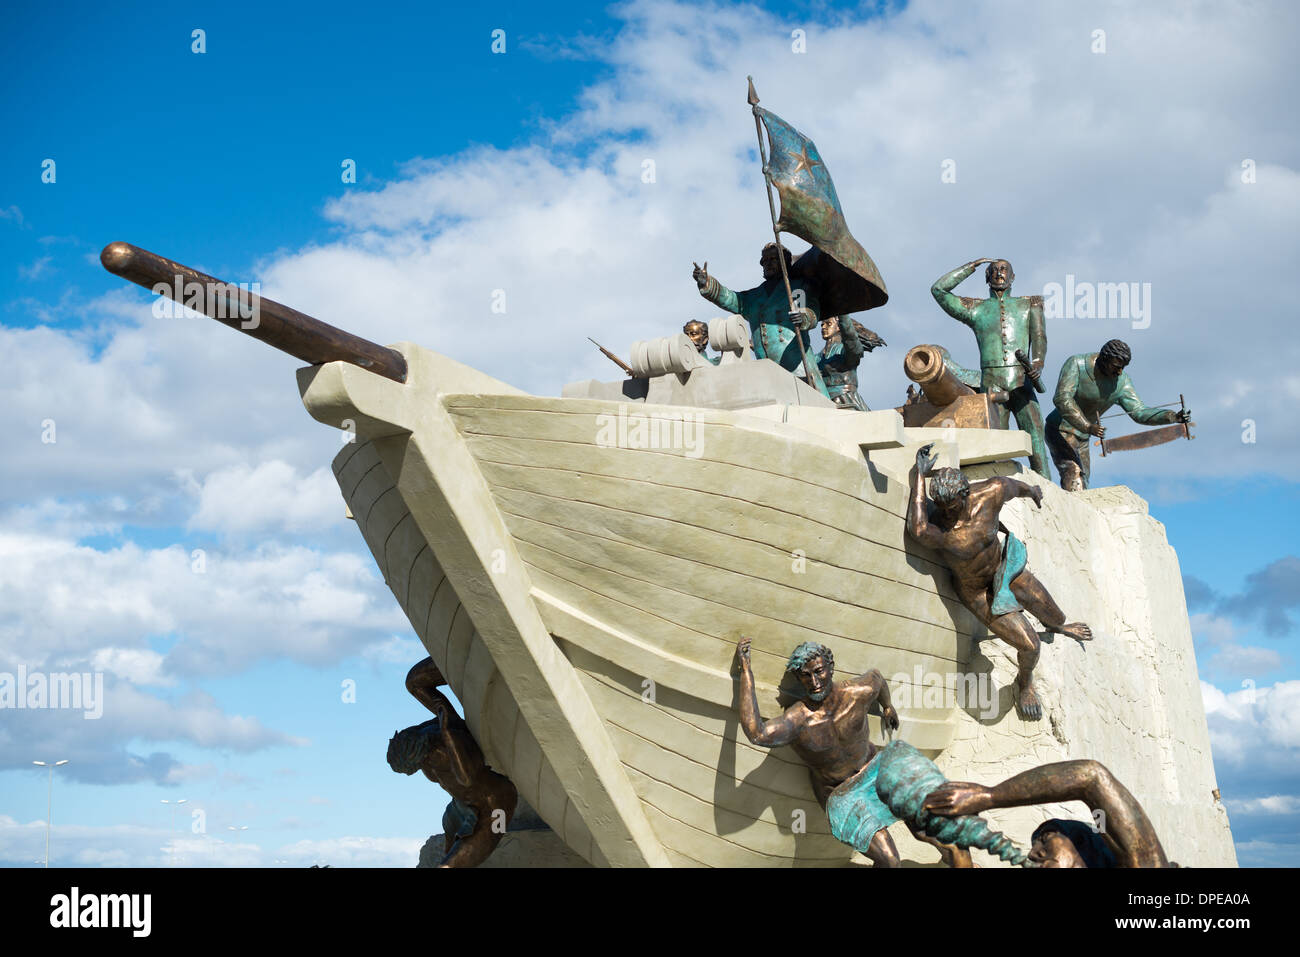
{"x":612,"y":358}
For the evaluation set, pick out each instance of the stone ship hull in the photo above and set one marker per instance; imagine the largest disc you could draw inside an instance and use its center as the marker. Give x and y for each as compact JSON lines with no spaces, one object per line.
{"x":582,"y":586}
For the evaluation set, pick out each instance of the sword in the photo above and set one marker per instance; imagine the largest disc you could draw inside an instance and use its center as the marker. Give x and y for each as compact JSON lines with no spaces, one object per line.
{"x":1149,"y":438}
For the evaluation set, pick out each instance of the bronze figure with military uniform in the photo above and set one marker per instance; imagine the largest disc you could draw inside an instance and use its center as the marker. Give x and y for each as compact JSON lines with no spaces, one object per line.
{"x":1012,"y":339}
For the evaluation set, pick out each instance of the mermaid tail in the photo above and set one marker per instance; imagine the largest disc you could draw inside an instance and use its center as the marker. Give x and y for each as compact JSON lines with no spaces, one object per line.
{"x":907,"y":777}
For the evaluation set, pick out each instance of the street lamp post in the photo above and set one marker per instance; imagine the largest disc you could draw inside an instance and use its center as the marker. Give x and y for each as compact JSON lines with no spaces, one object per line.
{"x":174,"y":806}
{"x":49,"y":803}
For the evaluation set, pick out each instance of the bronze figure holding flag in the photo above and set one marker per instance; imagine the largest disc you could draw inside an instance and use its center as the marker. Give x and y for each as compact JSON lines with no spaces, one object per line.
{"x":833,"y":278}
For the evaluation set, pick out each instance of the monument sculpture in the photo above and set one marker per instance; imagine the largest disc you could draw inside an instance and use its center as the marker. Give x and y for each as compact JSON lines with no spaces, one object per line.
{"x":905,"y":782}
{"x":482,"y":801}
{"x":578,"y":568}
{"x":1090,"y":384}
{"x":991,"y":577}
{"x":780,"y":332}
{"x":1120,"y":834}
{"x":828,"y":730}
{"x":698,"y":333}
{"x":948,"y":393}
{"x":1012,"y":340}
{"x":847,"y":341}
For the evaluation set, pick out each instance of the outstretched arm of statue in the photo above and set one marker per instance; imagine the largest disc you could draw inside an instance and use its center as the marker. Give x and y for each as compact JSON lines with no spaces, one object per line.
{"x":714,"y":291}
{"x":943,"y":287}
{"x":918,"y":523}
{"x":769,"y":734}
{"x":1014,"y":488}
{"x":1139,"y":412}
{"x":1067,"y":387}
{"x":423,"y":681}
{"x":1122,"y":819}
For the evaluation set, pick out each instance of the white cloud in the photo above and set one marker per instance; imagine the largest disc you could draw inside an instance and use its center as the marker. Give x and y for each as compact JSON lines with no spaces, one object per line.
{"x":135,"y":846}
{"x":65,"y":602}
{"x":1268,"y":854}
{"x":139,"y":666}
{"x":354,"y":852}
{"x":1255,"y":725}
{"x":1273,"y":804}
{"x":269,"y":497}
{"x":395,"y":650}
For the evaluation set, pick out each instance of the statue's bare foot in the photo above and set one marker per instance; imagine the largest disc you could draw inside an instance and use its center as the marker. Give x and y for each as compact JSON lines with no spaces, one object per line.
{"x":1027,"y":704}
{"x":1077,"y":629}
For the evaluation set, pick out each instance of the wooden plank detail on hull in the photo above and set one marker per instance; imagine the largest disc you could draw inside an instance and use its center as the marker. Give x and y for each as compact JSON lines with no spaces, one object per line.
{"x":786,"y":469}
{"x":494,"y":640}
{"x":679,"y":736}
{"x":444,"y":628}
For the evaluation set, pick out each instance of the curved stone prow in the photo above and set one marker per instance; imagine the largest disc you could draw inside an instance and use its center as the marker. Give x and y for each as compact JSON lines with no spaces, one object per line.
{"x":275,"y":324}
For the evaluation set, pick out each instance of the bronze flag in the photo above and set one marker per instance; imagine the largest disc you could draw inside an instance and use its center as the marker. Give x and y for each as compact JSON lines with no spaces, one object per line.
{"x":847,"y":277}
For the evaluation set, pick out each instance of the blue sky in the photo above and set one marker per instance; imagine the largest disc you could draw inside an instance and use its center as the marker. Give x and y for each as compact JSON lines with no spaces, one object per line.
{"x":520,"y":171}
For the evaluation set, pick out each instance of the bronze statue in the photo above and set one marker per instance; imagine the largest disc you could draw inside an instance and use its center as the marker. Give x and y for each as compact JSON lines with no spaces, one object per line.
{"x":778,"y":333}
{"x":847,"y":340}
{"x":482,"y":801}
{"x":991,"y":579}
{"x":1004,"y":325}
{"x":828,"y":730}
{"x":1124,"y":836}
{"x":1091,"y":383}
{"x":698,"y":333}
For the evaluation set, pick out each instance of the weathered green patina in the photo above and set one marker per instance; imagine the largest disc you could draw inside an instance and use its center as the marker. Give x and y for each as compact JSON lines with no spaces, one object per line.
{"x":1083,"y":395}
{"x":906,"y":777}
{"x":1002,"y":324}
{"x":838,"y":363}
{"x":1012,"y":563}
{"x":767,"y":310}
{"x":856,"y":811}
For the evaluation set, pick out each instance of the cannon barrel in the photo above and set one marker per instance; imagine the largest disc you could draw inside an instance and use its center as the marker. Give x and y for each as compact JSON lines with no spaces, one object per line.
{"x":275,"y":324}
{"x":926,"y":366}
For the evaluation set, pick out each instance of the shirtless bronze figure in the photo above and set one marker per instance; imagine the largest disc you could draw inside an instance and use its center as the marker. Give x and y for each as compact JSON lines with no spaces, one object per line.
{"x":960,"y":521}
{"x":482,"y":801}
{"x":828,"y":730}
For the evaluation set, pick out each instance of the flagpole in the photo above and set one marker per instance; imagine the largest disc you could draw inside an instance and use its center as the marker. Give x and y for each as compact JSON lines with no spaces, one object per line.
{"x":776,"y":233}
